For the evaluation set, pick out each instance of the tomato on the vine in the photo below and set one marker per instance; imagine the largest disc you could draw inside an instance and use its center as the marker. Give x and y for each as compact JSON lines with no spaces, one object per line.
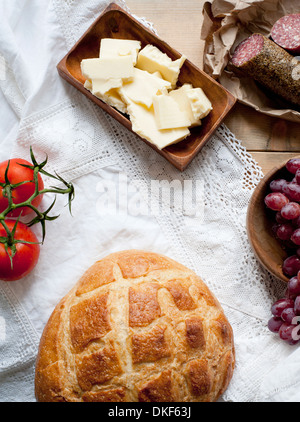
{"x":26,"y":255}
{"x":21,"y":192}
{"x":18,"y":174}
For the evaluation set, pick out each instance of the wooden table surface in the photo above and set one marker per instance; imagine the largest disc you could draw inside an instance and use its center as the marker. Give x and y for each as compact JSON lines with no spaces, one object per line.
{"x":270,"y":141}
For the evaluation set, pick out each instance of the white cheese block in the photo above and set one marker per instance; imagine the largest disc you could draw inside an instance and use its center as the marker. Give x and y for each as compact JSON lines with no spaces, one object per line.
{"x":168,"y":114}
{"x":193,"y":101}
{"x":144,"y":124}
{"x":151,"y":59}
{"x":180,"y":96}
{"x":112,"y":68}
{"x":111,"y":97}
{"x":201,"y":106}
{"x":102,"y":86}
{"x":88,"y":85}
{"x":143,"y":87}
{"x":110,"y":47}
{"x":158,"y":74}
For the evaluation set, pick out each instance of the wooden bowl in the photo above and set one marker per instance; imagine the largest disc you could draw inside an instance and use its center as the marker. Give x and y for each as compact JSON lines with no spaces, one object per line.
{"x":114,"y":22}
{"x":260,"y":220}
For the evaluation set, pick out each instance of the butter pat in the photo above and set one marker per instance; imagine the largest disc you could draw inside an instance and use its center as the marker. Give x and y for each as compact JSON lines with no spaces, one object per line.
{"x":143,"y":87}
{"x":110,"y":47}
{"x":144,"y":124}
{"x":111,"y":68}
{"x":168,"y":114}
{"x":151,"y":59}
{"x":193,"y":101}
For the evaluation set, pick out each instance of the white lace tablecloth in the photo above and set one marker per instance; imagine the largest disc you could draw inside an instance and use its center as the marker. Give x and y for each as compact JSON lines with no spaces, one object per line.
{"x":113,"y":173}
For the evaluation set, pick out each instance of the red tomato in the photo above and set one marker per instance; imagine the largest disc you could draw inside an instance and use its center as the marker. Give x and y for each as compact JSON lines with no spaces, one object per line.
{"x":17,"y":174}
{"x":26,"y":256}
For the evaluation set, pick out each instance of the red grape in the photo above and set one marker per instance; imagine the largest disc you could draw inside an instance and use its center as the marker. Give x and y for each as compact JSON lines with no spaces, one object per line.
{"x":287,"y":315}
{"x":274,"y":324}
{"x":292,"y":191}
{"x":294,"y":286}
{"x":279,"y":219}
{"x":295,"y":334}
{"x":291,"y":265}
{"x":276,"y":200}
{"x":290,"y":211}
{"x":284,"y":231}
{"x":297,"y":176}
{"x":286,"y":332}
{"x":297,"y":305}
{"x":289,"y":295}
{"x":277,"y":185}
{"x":293,"y":165}
{"x":280,"y":305}
{"x":295,"y":237}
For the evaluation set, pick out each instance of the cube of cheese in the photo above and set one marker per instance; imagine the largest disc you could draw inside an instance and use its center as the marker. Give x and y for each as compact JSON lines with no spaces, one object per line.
{"x":158,"y":74}
{"x":111,"y":97}
{"x":168,"y":114}
{"x":110,"y":47}
{"x":88,"y":85}
{"x":193,"y":101}
{"x":150,"y":58}
{"x":102,"y":86}
{"x":111,"y":68}
{"x":143,"y":87}
{"x":201,"y":106}
{"x":144,"y":124}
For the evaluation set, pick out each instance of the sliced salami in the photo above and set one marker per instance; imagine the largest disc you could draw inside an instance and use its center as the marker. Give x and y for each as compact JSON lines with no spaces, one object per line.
{"x":286,"y":33}
{"x":270,"y":65}
{"x":248,"y":49}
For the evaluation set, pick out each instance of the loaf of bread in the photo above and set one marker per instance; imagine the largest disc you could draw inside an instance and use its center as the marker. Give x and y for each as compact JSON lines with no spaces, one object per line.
{"x":137,"y":326}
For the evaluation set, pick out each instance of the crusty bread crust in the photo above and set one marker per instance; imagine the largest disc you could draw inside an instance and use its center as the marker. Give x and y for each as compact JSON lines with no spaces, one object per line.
{"x":137,"y":326}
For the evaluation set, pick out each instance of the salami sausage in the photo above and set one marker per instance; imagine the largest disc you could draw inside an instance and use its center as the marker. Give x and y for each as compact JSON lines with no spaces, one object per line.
{"x":286,"y":33}
{"x":270,"y":65}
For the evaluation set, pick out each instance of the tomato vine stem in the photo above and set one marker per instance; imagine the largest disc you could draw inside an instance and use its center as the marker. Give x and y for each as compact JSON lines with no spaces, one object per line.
{"x":9,"y":241}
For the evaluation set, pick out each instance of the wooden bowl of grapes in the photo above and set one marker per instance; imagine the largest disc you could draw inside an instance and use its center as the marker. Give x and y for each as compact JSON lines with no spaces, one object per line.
{"x":273,"y":220}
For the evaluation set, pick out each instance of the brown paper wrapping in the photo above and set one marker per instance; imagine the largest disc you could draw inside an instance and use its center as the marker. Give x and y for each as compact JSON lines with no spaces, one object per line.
{"x":228,"y":22}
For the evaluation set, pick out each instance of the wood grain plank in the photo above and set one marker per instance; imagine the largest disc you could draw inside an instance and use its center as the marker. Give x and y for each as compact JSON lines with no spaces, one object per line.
{"x":263,"y":133}
{"x":177,"y":22}
{"x":269,"y":160}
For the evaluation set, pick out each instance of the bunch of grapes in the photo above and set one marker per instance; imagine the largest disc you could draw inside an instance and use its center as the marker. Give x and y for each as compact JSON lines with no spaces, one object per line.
{"x":284,"y":200}
{"x":286,"y":313}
